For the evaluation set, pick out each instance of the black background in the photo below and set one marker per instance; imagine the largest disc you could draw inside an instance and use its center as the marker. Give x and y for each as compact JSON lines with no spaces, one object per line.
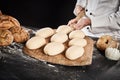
{"x":39,"y":13}
{"x":15,"y":65}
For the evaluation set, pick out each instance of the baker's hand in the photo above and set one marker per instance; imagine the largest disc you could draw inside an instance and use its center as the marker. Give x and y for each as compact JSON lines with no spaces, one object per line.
{"x":78,"y":9}
{"x":72,"y":21}
{"x":84,"y":21}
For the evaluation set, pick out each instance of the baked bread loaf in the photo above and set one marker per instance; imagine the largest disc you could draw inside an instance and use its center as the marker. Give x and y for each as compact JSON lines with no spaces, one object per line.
{"x":6,"y":37}
{"x":12,"y":29}
{"x":15,"y":29}
{"x":112,"y":54}
{"x":21,"y":36}
{"x":6,"y":22}
{"x":106,"y":41}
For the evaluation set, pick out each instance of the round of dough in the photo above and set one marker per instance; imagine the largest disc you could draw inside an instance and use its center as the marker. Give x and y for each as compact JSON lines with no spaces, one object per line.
{"x":64,"y":29}
{"x":45,"y":32}
{"x":74,"y":52}
{"x":112,"y":54}
{"x":54,"y":48}
{"x":76,"y":34}
{"x":106,"y":41}
{"x":77,"y":42}
{"x":35,"y":42}
{"x":59,"y":37}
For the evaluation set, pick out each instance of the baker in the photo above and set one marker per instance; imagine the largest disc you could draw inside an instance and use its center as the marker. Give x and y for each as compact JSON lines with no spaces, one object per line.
{"x":101,"y":17}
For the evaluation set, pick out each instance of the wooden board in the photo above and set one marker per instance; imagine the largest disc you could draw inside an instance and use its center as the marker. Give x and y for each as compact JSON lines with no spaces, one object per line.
{"x":86,"y":59}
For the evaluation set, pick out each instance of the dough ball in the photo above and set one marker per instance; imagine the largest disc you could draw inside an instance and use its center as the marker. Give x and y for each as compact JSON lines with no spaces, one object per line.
{"x":112,"y":54}
{"x":64,"y":29}
{"x":35,"y":42}
{"x":45,"y":32}
{"x":54,"y":48}
{"x":77,"y":42}
{"x":59,"y":37}
{"x":76,"y":34}
{"x":74,"y":52}
{"x":106,"y":41}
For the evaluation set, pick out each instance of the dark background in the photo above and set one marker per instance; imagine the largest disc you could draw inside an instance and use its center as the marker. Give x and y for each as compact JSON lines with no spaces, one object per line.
{"x":15,"y":65}
{"x":39,"y":13}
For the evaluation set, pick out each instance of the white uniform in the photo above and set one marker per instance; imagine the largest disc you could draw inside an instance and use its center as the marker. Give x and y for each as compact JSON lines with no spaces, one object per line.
{"x":104,"y":14}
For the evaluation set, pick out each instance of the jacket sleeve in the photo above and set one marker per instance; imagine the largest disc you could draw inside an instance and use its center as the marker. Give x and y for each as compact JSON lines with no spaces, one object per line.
{"x":81,"y":3}
{"x":110,"y":21}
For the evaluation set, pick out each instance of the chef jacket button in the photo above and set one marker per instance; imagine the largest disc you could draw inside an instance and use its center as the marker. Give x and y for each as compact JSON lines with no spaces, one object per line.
{"x":86,"y":10}
{"x":87,"y":27}
{"x":90,"y":13}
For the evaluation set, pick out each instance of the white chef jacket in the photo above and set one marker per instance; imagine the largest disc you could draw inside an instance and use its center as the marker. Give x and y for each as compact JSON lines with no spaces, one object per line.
{"x":104,"y":14}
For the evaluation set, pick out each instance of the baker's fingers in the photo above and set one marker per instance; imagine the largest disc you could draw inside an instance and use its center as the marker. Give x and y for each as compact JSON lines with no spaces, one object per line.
{"x":78,"y":26}
{"x":72,"y":25}
{"x":72,"y":21}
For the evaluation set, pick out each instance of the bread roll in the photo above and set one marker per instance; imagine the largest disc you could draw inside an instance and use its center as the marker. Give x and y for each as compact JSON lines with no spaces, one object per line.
{"x":7,"y":22}
{"x":106,"y":41}
{"x":59,"y":37}
{"x":21,"y":36}
{"x":76,"y":34}
{"x":35,"y":42}
{"x":74,"y":52}
{"x":6,"y":37}
{"x":112,"y":54}
{"x":45,"y":32}
{"x":64,"y":29}
{"x":54,"y":48}
{"x":78,"y":42}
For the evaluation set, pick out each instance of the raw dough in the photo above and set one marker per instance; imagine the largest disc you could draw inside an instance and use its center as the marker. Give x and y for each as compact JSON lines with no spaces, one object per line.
{"x":35,"y":42}
{"x":45,"y":32}
{"x":76,"y":34}
{"x":54,"y":48}
{"x":78,"y":42}
{"x":64,"y":29}
{"x":74,"y":52}
{"x":59,"y":37}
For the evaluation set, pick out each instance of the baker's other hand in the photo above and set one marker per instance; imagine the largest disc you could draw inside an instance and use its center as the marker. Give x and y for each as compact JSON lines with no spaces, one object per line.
{"x":84,"y":21}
